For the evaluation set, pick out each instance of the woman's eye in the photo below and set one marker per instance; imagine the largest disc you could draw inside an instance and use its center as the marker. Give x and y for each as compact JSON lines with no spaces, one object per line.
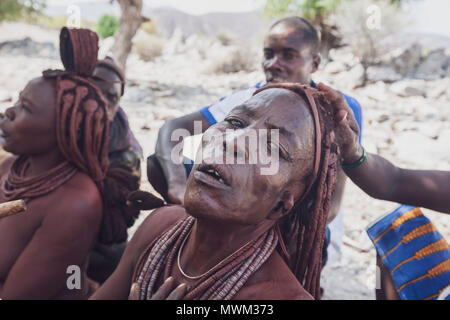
{"x":235,"y":123}
{"x":24,"y":107}
{"x":268,"y":54}
{"x":288,"y":56}
{"x":273,"y":147}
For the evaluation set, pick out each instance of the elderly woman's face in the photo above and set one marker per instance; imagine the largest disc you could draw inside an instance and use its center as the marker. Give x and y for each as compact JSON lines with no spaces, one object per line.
{"x":256,"y":177}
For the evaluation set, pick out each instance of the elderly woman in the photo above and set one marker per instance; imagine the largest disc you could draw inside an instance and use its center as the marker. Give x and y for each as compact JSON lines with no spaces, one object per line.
{"x":242,"y":234}
{"x":58,"y":131}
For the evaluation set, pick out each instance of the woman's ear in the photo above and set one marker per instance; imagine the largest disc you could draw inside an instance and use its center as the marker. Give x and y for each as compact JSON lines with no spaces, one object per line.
{"x":316,"y":63}
{"x":283,"y":206}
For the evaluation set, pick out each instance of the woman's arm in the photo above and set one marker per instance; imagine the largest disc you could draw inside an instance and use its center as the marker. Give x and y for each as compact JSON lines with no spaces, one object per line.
{"x":63,"y":239}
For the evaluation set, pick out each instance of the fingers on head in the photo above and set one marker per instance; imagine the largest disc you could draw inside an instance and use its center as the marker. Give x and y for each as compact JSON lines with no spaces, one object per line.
{"x":341,"y":116}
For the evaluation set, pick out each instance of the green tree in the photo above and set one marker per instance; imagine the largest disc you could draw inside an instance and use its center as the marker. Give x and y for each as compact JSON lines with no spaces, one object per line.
{"x":107,"y":26}
{"x":310,"y":9}
{"x":15,"y":9}
{"x":317,"y":11}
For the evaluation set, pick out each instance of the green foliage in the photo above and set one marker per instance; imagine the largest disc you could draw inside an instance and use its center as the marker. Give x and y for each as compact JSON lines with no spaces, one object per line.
{"x":107,"y":26}
{"x":16,"y":9}
{"x":310,"y":9}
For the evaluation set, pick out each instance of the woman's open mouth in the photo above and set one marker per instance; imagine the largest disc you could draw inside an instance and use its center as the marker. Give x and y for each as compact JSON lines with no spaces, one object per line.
{"x":3,"y":134}
{"x":213,"y":175}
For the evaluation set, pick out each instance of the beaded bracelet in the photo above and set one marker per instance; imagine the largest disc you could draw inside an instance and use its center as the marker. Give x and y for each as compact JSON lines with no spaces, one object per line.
{"x":357,"y":163}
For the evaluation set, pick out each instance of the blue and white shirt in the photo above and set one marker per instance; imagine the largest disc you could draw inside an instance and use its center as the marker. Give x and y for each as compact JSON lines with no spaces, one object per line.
{"x":217,"y":112}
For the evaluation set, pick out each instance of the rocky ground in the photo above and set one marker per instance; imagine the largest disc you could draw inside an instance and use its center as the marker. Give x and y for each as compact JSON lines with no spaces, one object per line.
{"x":406,"y":121}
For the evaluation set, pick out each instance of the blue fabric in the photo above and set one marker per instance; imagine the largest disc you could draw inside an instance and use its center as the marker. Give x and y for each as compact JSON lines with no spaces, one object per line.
{"x":353,"y":104}
{"x":188,"y":165}
{"x":326,"y":243}
{"x":410,"y":271}
{"x":208,"y":116}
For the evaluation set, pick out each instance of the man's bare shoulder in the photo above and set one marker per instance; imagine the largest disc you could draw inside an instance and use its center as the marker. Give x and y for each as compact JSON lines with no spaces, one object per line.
{"x":274,"y":281}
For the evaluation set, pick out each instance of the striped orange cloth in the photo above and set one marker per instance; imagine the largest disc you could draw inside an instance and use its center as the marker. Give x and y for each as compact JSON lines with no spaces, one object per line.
{"x":415,"y":253}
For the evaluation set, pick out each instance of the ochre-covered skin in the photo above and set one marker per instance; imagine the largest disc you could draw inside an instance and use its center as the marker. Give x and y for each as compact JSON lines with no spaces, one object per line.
{"x":58,"y":228}
{"x":251,"y":204}
{"x":272,"y":281}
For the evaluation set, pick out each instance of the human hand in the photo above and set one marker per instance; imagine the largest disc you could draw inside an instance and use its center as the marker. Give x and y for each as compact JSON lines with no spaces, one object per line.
{"x":165,"y":292}
{"x":346,"y":128}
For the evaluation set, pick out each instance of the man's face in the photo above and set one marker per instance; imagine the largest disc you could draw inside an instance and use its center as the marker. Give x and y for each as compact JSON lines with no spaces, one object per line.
{"x":110,"y":87}
{"x":239,"y":193}
{"x":30,"y":125}
{"x":287,"y":57}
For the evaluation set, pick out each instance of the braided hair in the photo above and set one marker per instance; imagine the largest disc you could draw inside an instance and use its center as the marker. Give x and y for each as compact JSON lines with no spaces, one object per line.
{"x":302,"y":231}
{"x":82,"y":130}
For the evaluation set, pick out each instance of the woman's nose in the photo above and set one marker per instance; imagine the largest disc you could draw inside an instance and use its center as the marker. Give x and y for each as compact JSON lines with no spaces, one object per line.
{"x":238,"y":145}
{"x":10,"y":113}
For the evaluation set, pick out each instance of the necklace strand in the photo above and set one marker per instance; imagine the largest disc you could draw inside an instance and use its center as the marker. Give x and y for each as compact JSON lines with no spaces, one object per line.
{"x":205,"y":273}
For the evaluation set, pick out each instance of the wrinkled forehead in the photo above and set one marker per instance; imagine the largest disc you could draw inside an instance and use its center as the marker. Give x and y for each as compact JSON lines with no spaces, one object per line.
{"x":280,"y":107}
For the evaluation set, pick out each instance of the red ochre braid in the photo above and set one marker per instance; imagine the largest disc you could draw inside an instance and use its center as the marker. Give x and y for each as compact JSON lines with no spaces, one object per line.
{"x":303,"y":230}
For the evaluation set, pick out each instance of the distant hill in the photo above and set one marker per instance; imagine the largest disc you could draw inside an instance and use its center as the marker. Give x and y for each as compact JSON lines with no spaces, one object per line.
{"x":242,"y":25}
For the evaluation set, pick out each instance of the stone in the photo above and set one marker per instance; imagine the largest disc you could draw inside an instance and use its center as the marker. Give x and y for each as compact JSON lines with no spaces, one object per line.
{"x":5,"y":96}
{"x":383,"y":73}
{"x":433,"y":66}
{"x":406,"y":60}
{"x":30,"y":48}
{"x":334,"y":67}
{"x":137,"y":94}
{"x":409,"y":88}
{"x":436,"y":89}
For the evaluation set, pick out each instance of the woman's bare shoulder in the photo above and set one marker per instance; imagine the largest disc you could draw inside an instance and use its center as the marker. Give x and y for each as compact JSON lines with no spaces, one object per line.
{"x":273,"y":281}
{"x":156,"y":223}
{"x":162,"y":218}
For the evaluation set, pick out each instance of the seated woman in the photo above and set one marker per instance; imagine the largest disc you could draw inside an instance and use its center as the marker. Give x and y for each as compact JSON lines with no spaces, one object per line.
{"x":124,"y":152}
{"x":58,"y":132}
{"x":420,"y":188}
{"x":242,"y":234}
